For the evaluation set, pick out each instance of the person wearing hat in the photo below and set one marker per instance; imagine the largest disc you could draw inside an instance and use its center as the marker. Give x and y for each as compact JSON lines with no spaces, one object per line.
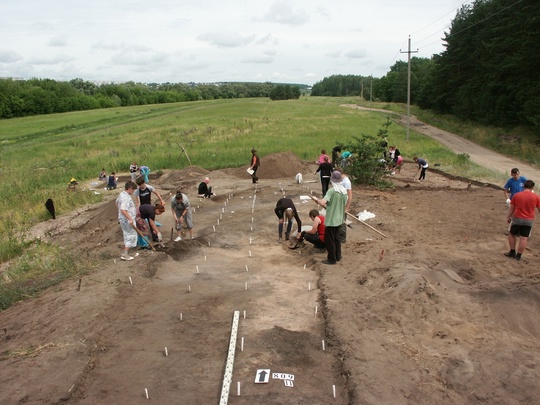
{"x":181,"y":211}
{"x":285,"y":208}
{"x":334,"y":201}
{"x":254,"y":165}
{"x":72,"y":185}
{"x":204,"y":191}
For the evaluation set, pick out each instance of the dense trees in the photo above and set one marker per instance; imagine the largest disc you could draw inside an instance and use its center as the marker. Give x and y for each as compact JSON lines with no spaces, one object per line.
{"x":20,"y":98}
{"x":488,"y":72}
{"x":341,"y":85}
{"x":285,"y":92}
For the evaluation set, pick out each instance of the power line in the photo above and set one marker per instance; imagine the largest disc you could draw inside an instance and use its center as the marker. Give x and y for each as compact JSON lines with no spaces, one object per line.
{"x":485,"y":19}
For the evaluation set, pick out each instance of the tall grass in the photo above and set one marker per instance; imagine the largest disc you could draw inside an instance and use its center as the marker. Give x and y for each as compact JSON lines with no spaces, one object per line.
{"x":38,"y":267}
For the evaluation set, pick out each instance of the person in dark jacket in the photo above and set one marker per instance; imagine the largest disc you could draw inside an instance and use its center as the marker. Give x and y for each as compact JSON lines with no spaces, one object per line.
{"x":204,"y":191}
{"x":326,"y":170}
{"x":285,"y":208}
{"x":254,"y":165}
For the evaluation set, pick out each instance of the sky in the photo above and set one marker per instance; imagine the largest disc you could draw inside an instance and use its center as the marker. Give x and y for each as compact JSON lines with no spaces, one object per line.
{"x":208,"y":41}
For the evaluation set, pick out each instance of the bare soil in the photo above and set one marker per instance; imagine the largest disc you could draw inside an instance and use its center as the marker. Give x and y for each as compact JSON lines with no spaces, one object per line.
{"x":432,"y":313}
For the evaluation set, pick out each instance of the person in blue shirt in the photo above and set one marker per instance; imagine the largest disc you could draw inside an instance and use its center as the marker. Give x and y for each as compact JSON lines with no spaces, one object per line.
{"x":514,"y":185}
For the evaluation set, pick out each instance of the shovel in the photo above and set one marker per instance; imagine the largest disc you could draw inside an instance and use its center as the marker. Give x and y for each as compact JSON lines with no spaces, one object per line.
{"x":296,"y":245}
{"x":144,"y":237}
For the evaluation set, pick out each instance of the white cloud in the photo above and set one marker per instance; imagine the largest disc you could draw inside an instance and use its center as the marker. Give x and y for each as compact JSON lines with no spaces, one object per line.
{"x":51,"y":59}
{"x":356,"y":54}
{"x":58,"y":41}
{"x":211,"y":40}
{"x":258,"y":59}
{"x":283,"y":12}
{"x":9,"y":57}
{"x":226,"y":39}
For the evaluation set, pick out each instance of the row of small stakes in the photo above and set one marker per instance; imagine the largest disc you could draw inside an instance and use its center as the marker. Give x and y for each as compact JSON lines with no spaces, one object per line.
{"x":250,"y":255}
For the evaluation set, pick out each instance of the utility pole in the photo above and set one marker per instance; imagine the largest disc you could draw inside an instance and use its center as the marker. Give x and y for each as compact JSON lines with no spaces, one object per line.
{"x":408,"y":52}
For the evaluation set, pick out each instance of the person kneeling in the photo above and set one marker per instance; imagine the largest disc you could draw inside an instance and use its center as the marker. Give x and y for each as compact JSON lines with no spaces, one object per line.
{"x":316,"y":234}
{"x":204,"y":191}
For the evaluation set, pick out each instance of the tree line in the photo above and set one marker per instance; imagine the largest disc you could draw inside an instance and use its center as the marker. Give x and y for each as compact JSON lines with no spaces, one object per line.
{"x":488,"y":72}
{"x":19,"y":98}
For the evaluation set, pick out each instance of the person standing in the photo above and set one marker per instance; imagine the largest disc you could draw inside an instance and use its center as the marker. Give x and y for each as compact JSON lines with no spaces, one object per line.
{"x":254,"y":165}
{"x":204,"y":191}
{"x":145,"y":171}
{"x":285,"y":208}
{"x":422,"y":167}
{"x":322,"y":156}
{"x":143,"y":194}
{"x":133,"y":170}
{"x":394,"y":156}
{"x":316,"y":234}
{"x":325,"y":169}
{"x":334,"y":201}
{"x":127,"y":213}
{"x":521,"y":218}
{"x":336,"y":156}
{"x":514,"y":185}
{"x":181,"y":210}
{"x":346,"y":183}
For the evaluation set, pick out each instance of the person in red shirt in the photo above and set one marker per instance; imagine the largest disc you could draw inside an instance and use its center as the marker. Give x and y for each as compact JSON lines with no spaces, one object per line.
{"x":316,"y":234}
{"x":521,"y":218}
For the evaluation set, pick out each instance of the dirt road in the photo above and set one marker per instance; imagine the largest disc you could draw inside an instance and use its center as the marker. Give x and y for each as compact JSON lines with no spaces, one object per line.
{"x":478,"y":154}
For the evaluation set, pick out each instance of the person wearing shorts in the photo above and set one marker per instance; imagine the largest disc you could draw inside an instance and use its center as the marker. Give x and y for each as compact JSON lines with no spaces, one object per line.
{"x":521,"y":218}
{"x":181,"y":210}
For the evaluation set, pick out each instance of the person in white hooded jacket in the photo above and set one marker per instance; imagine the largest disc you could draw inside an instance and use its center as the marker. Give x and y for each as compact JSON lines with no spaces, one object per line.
{"x":335,"y":202}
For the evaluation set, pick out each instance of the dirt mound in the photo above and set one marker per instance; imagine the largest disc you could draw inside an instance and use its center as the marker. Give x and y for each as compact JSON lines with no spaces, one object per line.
{"x":186,"y":178}
{"x":275,"y":166}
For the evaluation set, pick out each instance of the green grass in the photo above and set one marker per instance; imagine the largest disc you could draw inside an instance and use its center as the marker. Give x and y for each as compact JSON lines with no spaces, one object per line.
{"x":37,"y":267}
{"x":41,"y":154}
{"x":519,"y":143}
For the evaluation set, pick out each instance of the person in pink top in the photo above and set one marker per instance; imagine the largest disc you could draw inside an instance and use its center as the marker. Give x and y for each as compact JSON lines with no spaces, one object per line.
{"x":521,"y":218}
{"x":321,"y":157}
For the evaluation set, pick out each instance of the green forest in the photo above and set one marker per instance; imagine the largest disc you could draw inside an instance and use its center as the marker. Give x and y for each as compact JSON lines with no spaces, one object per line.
{"x":488,"y":74}
{"x":21,"y":98}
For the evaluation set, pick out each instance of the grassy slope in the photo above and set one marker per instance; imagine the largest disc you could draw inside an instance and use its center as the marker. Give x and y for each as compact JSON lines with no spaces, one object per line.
{"x":39,"y":155}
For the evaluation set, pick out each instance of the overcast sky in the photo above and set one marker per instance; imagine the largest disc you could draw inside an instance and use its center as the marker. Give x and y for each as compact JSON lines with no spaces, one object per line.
{"x":286,"y":41}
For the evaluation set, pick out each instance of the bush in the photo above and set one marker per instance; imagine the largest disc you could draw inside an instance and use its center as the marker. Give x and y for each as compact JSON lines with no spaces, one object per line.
{"x":368,"y":165}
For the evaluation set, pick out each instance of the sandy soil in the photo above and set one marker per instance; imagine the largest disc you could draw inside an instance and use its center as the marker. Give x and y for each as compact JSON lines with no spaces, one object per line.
{"x":432,"y":313}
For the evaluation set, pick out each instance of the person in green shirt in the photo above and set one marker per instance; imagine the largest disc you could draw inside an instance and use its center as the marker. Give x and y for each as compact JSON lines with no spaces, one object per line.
{"x":334,"y":201}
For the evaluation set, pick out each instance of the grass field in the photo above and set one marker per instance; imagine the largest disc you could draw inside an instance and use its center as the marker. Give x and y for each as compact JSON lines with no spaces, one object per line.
{"x":39,"y":155}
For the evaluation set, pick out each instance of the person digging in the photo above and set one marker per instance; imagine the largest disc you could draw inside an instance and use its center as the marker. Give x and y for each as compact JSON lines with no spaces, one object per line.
{"x":315,"y":235}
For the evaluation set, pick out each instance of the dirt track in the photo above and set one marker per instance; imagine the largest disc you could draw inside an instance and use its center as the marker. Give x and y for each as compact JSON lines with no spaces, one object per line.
{"x":432,"y":314}
{"x":478,"y":154}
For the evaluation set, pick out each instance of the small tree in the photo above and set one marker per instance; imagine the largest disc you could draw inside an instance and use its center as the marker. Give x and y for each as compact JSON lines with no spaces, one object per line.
{"x":368,"y":165}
